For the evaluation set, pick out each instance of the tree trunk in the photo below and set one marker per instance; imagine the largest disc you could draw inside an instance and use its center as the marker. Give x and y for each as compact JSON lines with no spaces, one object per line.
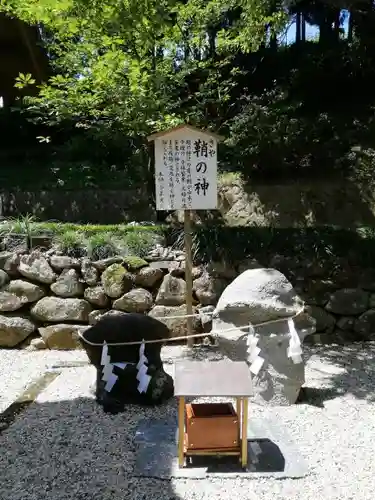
{"x":298,"y":27}
{"x":350,"y":27}
{"x":303,"y":28}
{"x":325,"y":31}
{"x":211,"y":42}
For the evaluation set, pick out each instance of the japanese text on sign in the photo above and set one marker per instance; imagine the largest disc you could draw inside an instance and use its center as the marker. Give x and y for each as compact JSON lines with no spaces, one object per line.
{"x":186,"y":171}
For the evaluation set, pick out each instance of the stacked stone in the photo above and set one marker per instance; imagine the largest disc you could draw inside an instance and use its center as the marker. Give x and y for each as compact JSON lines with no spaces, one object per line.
{"x":49,"y":298}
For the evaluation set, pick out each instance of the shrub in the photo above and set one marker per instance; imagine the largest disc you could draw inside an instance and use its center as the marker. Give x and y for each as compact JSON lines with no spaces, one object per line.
{"x":324,"y":243}
{"x":71,"y":243}
{"x":139,"y":243}
{"x":102,"y":245}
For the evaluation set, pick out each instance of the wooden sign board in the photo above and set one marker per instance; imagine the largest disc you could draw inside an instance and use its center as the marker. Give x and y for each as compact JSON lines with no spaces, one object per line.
{"x":185,"y":169}
{"x":186,"y":179}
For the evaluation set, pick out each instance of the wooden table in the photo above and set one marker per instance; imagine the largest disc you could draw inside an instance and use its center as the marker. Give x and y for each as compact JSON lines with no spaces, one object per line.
{"x":230,"y":379}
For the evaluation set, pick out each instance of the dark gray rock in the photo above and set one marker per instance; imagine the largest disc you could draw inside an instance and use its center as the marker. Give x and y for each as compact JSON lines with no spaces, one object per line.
{"x":348,"y":302}
{"x":132,"y":327}
{"x":324,"y":320}
{"x":364,"y":326}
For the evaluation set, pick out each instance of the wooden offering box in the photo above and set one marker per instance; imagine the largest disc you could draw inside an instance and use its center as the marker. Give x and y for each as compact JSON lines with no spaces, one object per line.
{"x":211,"y":426}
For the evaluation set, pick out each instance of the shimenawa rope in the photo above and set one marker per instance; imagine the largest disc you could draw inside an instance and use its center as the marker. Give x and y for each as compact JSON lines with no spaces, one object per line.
{"x":194,"y":335}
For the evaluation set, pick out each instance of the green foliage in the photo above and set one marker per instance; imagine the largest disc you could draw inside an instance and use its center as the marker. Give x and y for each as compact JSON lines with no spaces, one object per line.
{"x":323,"y":243}
{"x":119,"y":67}
{"x":23,"y":80}
{"x":102,"y":245}
{"x":71,"y":243}
{"x":124,"y":69}
{"x":23,"y":225}
{"x":99,"y":242}
{"x":18,"y":225}
{"x":139,"y":243}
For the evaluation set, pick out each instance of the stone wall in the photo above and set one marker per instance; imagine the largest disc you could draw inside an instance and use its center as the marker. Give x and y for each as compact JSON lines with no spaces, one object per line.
{"x":292,"y":204}
{"x":339,"y":294}
{"x":92,"y":206}
{"x":47,"y":298}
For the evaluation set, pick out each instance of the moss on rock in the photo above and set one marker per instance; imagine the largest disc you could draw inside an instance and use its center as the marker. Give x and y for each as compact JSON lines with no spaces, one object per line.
{"x":133,"y":263}
{"x":116,"y":281}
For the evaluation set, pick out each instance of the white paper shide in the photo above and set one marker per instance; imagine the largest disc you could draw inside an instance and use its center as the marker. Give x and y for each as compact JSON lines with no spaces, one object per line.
{"x":186,"y":170}
{"x":111,"y":378}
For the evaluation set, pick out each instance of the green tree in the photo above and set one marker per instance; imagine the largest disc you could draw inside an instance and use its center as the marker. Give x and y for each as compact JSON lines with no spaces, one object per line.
{"x":120,"y":60}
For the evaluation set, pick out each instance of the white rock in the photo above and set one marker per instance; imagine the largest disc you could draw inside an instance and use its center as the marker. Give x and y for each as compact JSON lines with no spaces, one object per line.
{"x":254,"y":297}
{"x":62,"y":336}
{"x":148,"y":276}
{"x":14,"y":329}
{"x":61,"y":262}
{"x":27,"y":292}
{"x":89,"y":273}
{"x":68,"y":284}
{"x":9,"y":302}
{"x":137,"y":300}
{"x":172,"y":292}
{"x":36,"y":268}
{"x":56,"y":309}
{"x":96,"y":296}
{"x":174,"y":318}
{"x":4,"y":278}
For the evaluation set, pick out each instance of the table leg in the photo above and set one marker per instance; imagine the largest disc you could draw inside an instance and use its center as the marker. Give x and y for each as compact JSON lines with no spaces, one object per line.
{"x":238,"y":411}
{"x":181,"y":431}
{"x":245,"y":409}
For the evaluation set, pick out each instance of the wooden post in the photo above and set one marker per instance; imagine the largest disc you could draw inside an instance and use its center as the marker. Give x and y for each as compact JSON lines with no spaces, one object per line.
{"x":188,"y":276}
{"x":245,"y":410}
{"x":181,"y":430}
{"x":186,"y":156}
{"x":238,"y":411}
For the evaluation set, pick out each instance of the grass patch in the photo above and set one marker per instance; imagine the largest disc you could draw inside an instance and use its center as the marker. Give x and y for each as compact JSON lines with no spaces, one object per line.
{"x":92,"y":240}
{"x":19,"y":225}
{"x":102,"y":245}
{"x":71,"y":243}
{"x":140,"y":244}
{"x":210,"y":242}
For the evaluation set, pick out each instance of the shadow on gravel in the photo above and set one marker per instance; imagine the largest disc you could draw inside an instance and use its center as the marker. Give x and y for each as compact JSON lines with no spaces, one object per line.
{"x":71,"y":449}
{"x":357,"y":373}
{"x":8,"y":416}
{"x":316,"y":396}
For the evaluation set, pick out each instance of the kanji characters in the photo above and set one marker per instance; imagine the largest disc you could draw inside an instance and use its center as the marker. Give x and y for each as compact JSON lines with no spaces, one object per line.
{"x":201,"y":167}
{"x":200,"y":148}
{"x":201,"y":186}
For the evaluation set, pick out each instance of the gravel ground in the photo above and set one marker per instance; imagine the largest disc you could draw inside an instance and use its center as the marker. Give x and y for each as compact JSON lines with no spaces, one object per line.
{"x":20,"y":368}
{"x":65,"y":447}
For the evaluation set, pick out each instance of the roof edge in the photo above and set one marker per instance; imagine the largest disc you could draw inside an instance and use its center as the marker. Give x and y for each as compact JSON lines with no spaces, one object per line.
{"x":157,"y":135}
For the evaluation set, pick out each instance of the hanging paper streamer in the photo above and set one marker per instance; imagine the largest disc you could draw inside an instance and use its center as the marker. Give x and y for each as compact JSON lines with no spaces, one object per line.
{"x":256,"y":365}
{"x":253,"y":352}
{"x":142,"y":358}
{"x":121,"y":365}
{"x":105,"y":358}
{"x":252,"y":339}
{"x":111,"y":378}
{"x":108,"y":376}
{"x":294,"y":349}
{"x":142,"y":368}
{"x":107,"y":370}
